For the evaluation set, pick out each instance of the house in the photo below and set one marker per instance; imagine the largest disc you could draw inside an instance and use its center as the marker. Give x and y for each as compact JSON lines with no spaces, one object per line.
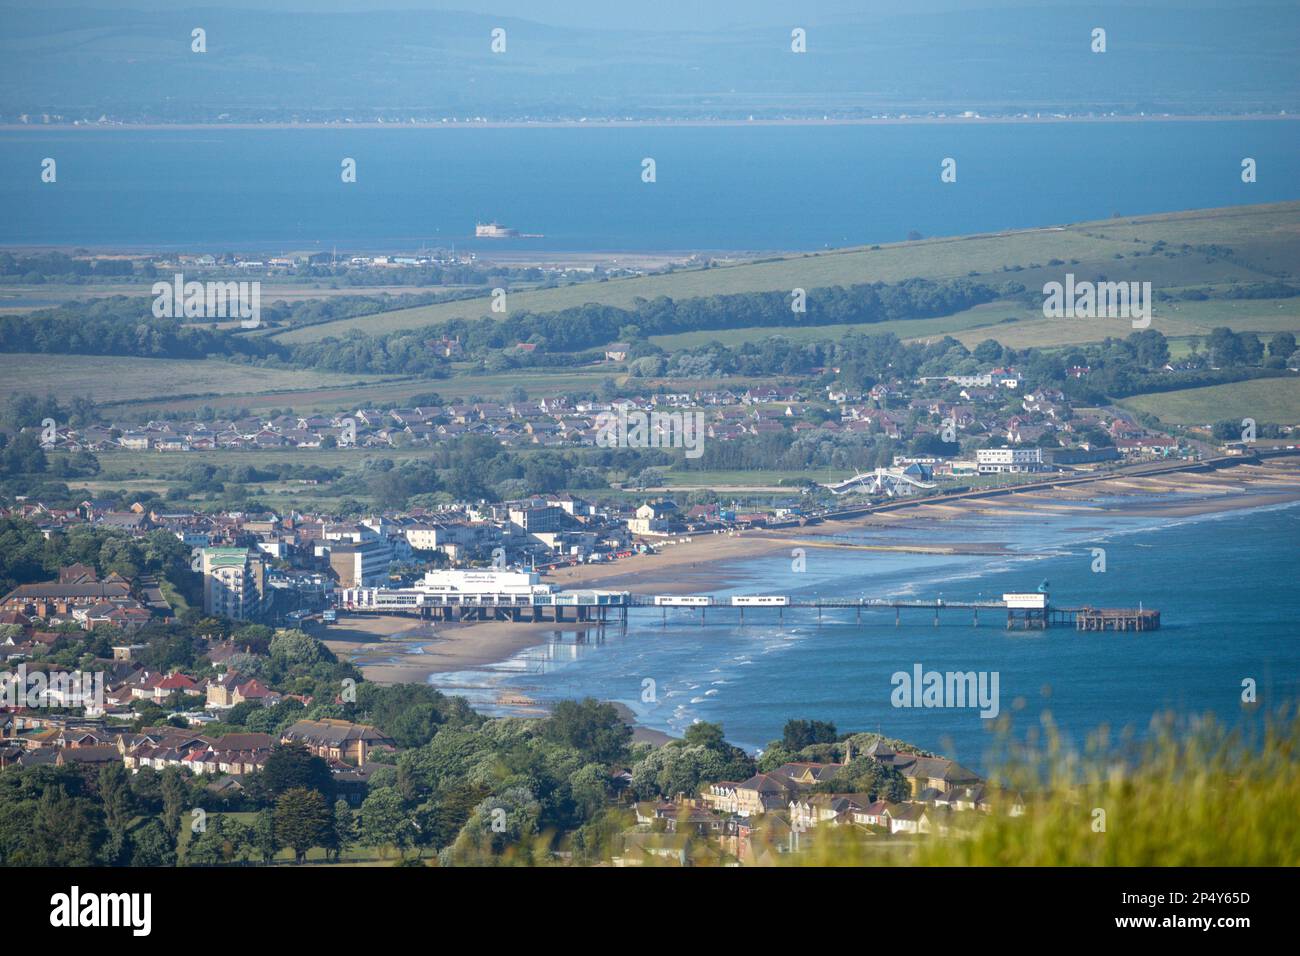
{"x":339,"y":740}
{"x":877,"y":814}
{"x":90,"y":756}
{"x":936,"y":773}
{"x":231,"y":689}
{"x":808,"y":774}
{"x":761,"y":793}
{"x":58,"y":599}
{"x":617,"y":352}
{"x":653,"y":517}
{"x":911,"y":818}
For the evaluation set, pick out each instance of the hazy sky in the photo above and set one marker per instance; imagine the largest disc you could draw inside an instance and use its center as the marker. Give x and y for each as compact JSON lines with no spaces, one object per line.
{"x":655,"y":14}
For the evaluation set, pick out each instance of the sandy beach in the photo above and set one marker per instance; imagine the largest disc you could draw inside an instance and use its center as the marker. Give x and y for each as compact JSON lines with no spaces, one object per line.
{"x":396,"y":650}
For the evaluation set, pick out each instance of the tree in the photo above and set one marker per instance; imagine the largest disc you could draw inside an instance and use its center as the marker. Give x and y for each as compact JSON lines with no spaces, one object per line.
{"x":589,"y":786}
{"x":264,"y":835}
{"x":500,"y":821}
{"x":297,"y":648}
{"x":303,"y":820}
{"x":592,"y":728}
{"x":676,"y":769}
{"x":704,"y":734}
{"x":799,"y":734}
{"x":1282,"y":345}
{"x":1225,"y":347}
{"x":988,"y":352}
{"x":174,"y":800}
{"x":383,"y":821}
{"x":115,"y":794}
{"x":738,"y":765}
{"x":150,"y":846}
{"x":927,"y":444}
{"x":63,"y":831}
{"x":1151,"y":347}
{"x":451,"y":814}
{"x":208,"y":848}
{"x":291,"y":766}
{"x":878,"y":782}
{"x":345,"y":828}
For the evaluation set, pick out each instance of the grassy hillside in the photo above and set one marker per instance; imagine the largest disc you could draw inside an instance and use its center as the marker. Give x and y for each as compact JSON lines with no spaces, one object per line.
{"x":108,"y":379}
{"x":1265,"y":400}
{"x":1178,"y":321}
{"x":1265,"y":241}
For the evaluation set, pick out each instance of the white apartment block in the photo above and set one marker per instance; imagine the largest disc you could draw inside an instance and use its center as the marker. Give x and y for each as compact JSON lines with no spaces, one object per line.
{"x":233,"y":584}
{"x":992,"y":461}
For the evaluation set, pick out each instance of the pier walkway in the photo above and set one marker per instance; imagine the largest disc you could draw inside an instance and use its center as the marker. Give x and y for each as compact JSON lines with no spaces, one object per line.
{"x":1030,"y":610}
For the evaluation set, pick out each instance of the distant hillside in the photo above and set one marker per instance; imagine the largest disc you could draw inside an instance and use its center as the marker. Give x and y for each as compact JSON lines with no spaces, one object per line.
{"x":1250,"y":244}
{"x":262,"y":65}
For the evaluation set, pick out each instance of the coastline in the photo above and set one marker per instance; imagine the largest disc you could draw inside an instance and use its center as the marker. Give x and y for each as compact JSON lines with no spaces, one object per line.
{"x":398,"y":650}
{"x":685,"y":123}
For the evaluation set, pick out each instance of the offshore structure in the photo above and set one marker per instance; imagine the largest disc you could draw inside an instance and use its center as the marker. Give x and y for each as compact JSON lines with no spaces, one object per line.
{"x":494,"y":230}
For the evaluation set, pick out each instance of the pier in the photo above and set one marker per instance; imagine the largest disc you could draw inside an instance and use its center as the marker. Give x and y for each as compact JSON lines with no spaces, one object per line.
{"x":520,"y":597}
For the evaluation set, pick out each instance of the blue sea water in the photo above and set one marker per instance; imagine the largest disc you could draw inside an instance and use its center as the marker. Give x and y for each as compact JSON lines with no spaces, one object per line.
{"x":1225,"y":585}
{"x":718,"y":188}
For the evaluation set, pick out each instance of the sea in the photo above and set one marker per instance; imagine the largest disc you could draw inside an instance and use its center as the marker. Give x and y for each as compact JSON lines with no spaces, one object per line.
{"x":1225,"y":585}
{"x":716,"y":188}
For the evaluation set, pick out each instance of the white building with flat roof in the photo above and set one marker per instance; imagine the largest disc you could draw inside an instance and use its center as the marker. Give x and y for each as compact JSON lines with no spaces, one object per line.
{"x":993,"y":461}
{"x":487,"y":590}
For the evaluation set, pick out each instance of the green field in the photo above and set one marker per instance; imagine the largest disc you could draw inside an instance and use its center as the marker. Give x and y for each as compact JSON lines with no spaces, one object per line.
{"x":321,"y":397}
{"x":1016,"y":326}
{"x":1176,"y":320}
{"x":109,"y":379}
{"x":287,"y":289}
{"x":156,"y":385}
{"x":981,"y":317}
{"x":1265,"y":238}
{"x":1274,"y":400}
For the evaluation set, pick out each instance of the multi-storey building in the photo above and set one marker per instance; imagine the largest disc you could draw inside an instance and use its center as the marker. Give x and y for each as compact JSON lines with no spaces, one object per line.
{"x":998,"y":460}
{"x":233,"y":583}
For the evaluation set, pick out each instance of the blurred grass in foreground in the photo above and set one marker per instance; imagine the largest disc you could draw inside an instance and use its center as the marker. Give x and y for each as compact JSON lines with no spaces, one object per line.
{"x":1193,"y":794}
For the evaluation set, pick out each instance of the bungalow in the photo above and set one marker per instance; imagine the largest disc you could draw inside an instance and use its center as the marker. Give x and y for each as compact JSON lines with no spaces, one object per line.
{"x":877,"y":814}
{"x":911,"y":818}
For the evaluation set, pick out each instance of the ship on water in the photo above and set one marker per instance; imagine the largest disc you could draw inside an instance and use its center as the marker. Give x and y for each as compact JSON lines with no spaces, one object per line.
{"x":494,"y":230}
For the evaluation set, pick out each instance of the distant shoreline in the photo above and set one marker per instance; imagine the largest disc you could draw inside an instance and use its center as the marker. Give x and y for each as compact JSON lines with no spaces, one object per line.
{"x":635,"y":123}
